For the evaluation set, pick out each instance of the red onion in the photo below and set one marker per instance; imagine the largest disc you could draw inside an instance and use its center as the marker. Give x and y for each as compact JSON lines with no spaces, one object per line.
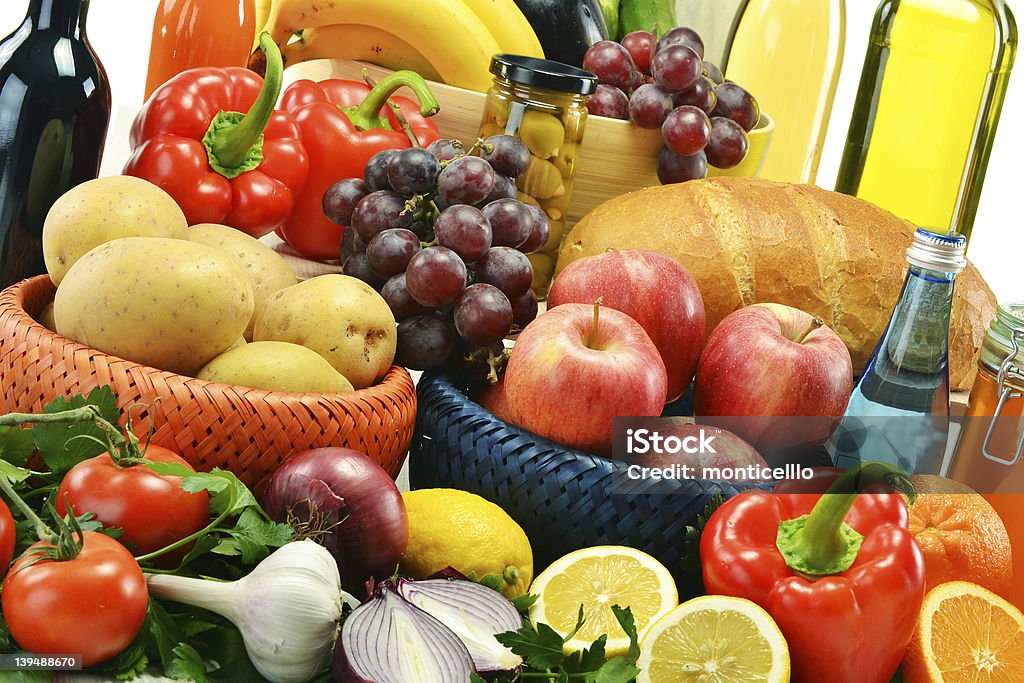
{"x":354,"y":499}
{"x":388,"y":640}
{"x":475,"y":613}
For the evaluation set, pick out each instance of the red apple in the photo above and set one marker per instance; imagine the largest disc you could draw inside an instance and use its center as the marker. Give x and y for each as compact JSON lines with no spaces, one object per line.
{"x":493,"y":399}
{"x":770,"y":361}
{"x":651,"y":288}
{"x":727,"y":451}
{"x":575,"y":368}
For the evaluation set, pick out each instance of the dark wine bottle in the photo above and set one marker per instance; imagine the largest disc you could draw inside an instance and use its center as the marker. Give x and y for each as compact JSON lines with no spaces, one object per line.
{"x":54,"y":113}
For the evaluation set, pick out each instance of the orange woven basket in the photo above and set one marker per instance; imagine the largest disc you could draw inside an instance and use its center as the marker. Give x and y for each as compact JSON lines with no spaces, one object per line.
{"x":247,"y":431}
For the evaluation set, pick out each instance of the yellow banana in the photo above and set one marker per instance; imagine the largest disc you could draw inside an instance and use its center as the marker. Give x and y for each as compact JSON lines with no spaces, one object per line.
{"x":509,"y":26}
{"x":446,"y":32}
{"x":358,"y":42}
{"x":263,"y":10}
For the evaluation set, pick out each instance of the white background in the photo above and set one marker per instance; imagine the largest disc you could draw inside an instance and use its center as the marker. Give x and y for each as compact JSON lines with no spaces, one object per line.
{"x":120,"y":33}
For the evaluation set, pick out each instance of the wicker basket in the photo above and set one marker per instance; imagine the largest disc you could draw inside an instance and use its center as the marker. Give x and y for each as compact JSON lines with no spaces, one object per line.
{"x":564,"y":499}
{"x":247,"y":431}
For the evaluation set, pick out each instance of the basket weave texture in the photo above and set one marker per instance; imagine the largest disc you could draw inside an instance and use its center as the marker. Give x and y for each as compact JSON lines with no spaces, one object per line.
{"x":247,"y":431}
{"x":563,"y":498}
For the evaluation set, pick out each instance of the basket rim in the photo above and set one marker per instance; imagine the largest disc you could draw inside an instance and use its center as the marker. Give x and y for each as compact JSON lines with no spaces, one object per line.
{"x":12,"y":306}
{"x":435,"y":384}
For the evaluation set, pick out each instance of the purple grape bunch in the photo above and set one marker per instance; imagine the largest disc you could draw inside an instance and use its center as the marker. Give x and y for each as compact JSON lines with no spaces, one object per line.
{"x":440,"y":235}
{"x":667,"y":84}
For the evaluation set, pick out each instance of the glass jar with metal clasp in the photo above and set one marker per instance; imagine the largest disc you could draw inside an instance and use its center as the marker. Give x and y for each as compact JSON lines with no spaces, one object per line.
{"x":989,"y":456}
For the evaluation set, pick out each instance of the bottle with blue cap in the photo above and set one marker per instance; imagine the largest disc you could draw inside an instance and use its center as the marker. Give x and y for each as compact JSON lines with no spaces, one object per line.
{"x":899,"y":409}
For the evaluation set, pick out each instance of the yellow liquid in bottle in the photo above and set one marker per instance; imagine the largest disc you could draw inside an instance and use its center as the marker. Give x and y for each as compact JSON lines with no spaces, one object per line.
{"x":787,"y":53}
{"x":926,"y":112}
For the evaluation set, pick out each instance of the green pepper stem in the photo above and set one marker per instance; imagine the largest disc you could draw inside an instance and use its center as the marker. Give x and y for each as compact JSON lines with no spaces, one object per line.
{"x":367,"y":114}
{"x":821,"y":543}
{"x":231,"y":146}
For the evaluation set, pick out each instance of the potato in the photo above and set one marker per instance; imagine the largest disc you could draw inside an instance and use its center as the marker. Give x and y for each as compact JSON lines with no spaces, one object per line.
{"x":339,"y":317}
{"x":264,"y":266}
{"x":170,"y":304}
{"x":275,"y":366}
{"x":105,"y":209}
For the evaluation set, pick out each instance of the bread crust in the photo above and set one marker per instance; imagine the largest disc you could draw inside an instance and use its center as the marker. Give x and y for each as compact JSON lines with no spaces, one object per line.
{"x":750,"y":240}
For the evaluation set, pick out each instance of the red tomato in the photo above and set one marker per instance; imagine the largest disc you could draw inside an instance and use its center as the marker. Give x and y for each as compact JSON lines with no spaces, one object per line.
{"x":7,"y":536}
{"x":152,"y":509}
{"x":92,"y":605}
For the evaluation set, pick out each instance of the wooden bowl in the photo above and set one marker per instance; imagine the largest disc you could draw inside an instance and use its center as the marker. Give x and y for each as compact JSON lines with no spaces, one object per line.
{"x":616,"y":157}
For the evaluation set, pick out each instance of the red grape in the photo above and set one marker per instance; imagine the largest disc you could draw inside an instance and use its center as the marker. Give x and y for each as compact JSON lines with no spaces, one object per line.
{"x":524,"y":309}
{"x":378,"y":211}
{"x":375,"y":173}
{"x":396,"y":294}
{"x":445,"y":149}
{"x":389,"y":252}
{"x":483,"y":315}
{"x":682,"y":36}
{"x":424,"y":341}
{"x":608,"y":101}
{"x":674,"y":168}
{"x":507,"y":269}
{"x":504,"y":188}
{"x":539,"y":234}
{"x":358,"y":267}
{"x":649,"y":106}
{"x":341,"y":198}
{"x":435,"y":277}
{"x":465,"y":230}
{"x":737,"y":104}
{"x":349,"y":239}
{"x":701,"y":95}
{"x":508,"y":155}
{"x":465,"y":180}
{"x":641,"y":45}
{"x":729,"y":143}
{"x":511,"y":222}
{"x":610,"y":62}
{"x":713,"y":73}
{"x":676,"y":68}
{"x":413,"y":171}
{"x":687,"y":130}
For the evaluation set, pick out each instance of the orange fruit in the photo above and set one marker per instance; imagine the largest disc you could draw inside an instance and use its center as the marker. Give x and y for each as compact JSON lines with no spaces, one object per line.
{"x":933,"y":483}
{"x":1010,"y":507}
{"x":963,"y":539}
{"x":966,"y":634}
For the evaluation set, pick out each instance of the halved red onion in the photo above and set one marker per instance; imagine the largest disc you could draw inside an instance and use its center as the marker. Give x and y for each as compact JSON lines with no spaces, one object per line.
{"x":475,"y":613}
{"x":389,"y":640}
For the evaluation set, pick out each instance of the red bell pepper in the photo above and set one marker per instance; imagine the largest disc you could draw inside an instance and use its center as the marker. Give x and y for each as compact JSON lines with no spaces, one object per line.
{"x":343,"y":124}
{"x":219,"y":165}
{"x":846,"y":595}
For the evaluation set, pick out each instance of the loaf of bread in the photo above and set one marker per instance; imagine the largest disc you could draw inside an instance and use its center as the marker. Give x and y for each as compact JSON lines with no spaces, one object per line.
{"x":748,"y":240}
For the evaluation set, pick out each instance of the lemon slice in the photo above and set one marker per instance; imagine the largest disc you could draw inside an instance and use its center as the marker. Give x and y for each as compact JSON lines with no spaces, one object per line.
{"x":598,"y":578}
{"x":714,"y":638}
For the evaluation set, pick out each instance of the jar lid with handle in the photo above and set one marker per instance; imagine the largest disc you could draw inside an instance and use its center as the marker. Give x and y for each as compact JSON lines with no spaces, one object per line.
{"x":1001,"y":352}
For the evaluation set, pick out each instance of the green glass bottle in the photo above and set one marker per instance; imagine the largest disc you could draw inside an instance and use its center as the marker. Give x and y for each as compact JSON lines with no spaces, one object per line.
{"x":925,"y":116}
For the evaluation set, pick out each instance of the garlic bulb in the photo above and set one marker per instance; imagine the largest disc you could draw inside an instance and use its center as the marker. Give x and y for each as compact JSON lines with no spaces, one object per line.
{"x":287,"y":609}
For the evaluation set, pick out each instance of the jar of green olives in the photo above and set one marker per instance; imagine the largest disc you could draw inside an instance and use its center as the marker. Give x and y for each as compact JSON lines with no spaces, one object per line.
{"x":544,"y":104}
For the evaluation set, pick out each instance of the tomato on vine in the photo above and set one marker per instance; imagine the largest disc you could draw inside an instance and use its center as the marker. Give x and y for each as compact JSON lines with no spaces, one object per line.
{"x":8,"y":534}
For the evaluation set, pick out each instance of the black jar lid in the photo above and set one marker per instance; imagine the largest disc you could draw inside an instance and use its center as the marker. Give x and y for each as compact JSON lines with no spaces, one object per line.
{"x":544,"y":73}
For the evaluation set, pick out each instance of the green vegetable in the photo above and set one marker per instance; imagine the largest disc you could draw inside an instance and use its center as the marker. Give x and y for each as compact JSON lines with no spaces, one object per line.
{"x":610,"y":10}
{"x":646,"y":15}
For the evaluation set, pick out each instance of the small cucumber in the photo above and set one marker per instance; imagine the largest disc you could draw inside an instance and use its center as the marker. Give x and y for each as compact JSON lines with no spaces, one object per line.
{"x":646,"y":15}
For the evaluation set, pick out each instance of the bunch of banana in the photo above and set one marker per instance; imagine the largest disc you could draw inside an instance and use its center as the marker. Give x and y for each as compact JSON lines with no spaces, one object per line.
{"x":447,"y":40}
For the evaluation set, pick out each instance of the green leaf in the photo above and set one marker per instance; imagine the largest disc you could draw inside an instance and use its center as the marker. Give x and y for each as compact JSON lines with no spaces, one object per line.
{"x":616,"y":670}
{"x":542,"y":649}
{"x":580,"y":620}
{"x":60,"y":445}
{"x":524,"y":602}
{"x":590,"y":659}
{"x":625,"y":618}
{"x":251,"y":537}
{"x":691,"y":563}
{"x":16,"y":444}
{"x":186,"y":664}
{"x":14,"y":474}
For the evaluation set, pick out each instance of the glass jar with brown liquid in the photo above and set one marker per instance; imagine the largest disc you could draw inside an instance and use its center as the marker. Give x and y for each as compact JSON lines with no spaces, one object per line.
{"x":544,"y":104}
{"x":990,"y":453}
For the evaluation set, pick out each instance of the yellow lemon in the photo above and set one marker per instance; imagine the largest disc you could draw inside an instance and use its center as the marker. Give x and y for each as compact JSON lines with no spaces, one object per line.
{"x":598,"y":578}
{"x":714,"y":638}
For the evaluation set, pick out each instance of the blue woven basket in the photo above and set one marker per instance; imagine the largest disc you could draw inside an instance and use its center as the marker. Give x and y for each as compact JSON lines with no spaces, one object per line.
{"x":563,"y":498}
